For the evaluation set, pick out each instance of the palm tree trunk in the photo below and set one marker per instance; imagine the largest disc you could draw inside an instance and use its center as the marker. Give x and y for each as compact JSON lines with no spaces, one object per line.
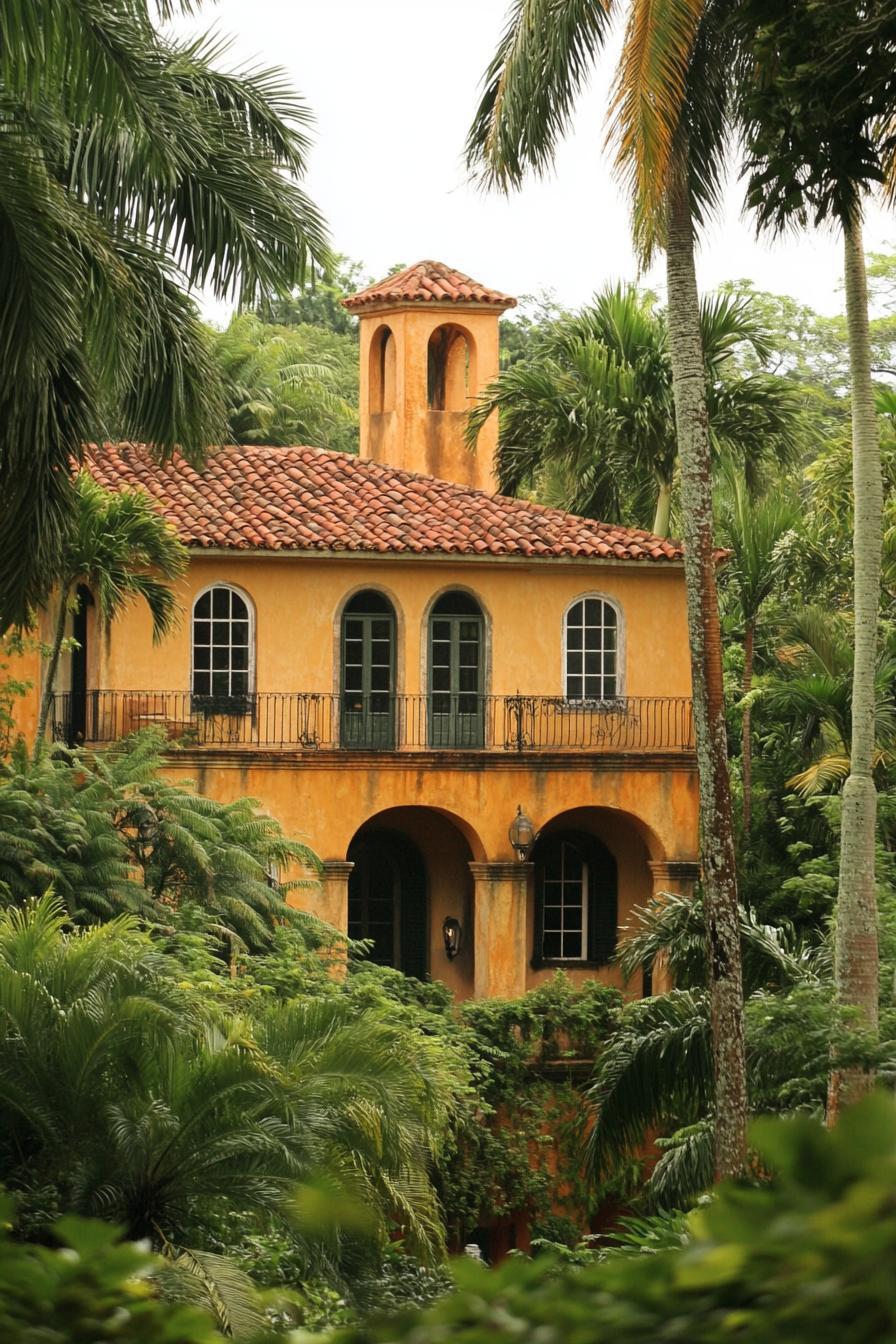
{"x":663,"y":509}
{"x":46,"y":700}
{"x":856,"y":950}
{"x":716,"y":822}
{"x":746,"y":739}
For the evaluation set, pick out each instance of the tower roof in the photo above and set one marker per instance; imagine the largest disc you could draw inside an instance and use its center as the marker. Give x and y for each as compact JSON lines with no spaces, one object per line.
{"x":428,"y":282}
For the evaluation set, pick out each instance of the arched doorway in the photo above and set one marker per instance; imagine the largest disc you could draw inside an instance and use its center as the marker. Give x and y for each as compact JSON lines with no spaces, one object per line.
{"x":387,"y":900}
{"x":456,"y":672}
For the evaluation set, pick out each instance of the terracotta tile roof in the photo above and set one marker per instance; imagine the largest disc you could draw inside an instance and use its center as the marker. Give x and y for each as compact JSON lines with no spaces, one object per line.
{"x":429,"y":282}
{"x":310,"y":499}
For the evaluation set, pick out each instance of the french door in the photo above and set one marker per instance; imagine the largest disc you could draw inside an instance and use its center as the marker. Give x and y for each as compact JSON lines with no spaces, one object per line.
{"x":456,"y":702}
{"x":368,"y":680}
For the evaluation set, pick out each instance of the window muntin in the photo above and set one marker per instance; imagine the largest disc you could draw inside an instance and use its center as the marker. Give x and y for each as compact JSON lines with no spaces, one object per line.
{"x":564,"y":890}
{"x":222,"y":645}
{"x":591,"y":646}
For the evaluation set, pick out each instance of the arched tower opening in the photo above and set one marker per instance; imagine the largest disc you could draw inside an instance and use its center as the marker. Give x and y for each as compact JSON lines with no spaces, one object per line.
{"x":428,"y":347}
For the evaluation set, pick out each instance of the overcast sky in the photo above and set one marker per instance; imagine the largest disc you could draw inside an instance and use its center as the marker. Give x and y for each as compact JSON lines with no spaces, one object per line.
{"x":393,"y":85}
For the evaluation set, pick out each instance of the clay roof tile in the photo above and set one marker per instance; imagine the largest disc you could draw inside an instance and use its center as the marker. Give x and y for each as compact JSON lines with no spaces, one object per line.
{"x":308,"y":499}
{"x":428,"y":282}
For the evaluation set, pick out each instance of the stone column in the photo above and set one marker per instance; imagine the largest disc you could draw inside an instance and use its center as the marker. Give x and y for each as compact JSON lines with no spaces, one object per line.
{"x":677,"y":877}
{"x":500,"y":954}
{"x":331,"y":905}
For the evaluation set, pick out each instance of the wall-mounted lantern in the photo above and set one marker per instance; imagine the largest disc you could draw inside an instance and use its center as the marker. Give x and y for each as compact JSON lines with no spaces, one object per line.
{"x":452,"y":933}
{"x":522,"y":835}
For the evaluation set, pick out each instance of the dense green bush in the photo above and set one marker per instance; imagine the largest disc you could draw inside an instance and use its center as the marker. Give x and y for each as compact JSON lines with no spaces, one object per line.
{"x":805,"y":1254}
{"x":93,"y":1287}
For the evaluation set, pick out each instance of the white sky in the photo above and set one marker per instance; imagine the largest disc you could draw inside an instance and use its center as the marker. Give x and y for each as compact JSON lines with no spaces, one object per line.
{"x":393,"y":85}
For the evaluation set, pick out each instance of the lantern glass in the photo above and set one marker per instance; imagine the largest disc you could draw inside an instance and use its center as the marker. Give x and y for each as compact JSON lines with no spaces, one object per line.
{"x":522,"y":834}
{"x":452,"y":933}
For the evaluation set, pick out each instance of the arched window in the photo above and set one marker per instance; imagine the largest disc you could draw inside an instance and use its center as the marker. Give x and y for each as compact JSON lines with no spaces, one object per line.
{"x":591,"y":650}
{"x":456,"y":672}
{"x":575,"y":894}
{"x":222,"y":647}
{"x":368,"y":671}
{"x":448,"y":369}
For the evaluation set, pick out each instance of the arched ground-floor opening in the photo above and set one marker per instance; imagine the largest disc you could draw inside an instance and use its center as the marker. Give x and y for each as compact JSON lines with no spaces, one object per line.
{"x":410,"y":884}
{"x":592,"y":868}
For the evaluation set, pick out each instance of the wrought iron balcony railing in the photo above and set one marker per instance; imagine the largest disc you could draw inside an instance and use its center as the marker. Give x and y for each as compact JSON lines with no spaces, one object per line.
{"x":380,"y":722}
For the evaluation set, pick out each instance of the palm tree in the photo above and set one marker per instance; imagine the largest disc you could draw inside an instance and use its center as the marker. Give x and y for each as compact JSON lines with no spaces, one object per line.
{"x":819,"y":137}
{"x":112,"y":836}
{"x":656,"y":1073}
{"x":132,"y":168}
{"x":286,"y":384}
{"x":669,"y":120}
{"x":116,"y":545}
{"x":753,"y":531}
{"x":126,"y":1095}
{"x":593,"y":405}
{"x":812,"y":690}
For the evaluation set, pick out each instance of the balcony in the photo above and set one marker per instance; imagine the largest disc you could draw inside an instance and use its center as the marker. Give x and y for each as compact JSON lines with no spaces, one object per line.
{"x":375,"y":723}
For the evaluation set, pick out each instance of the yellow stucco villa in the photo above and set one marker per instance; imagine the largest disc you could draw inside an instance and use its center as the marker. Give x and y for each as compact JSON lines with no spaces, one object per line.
{"x":394,"y":660}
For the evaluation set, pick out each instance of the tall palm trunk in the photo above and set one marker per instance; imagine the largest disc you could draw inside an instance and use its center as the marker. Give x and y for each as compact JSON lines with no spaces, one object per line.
{"x":856,"y":932}
{"x":46,"y":700}
{"x":746,"y":732}
{"x":716,"y":828}
{"x":663,"y":507}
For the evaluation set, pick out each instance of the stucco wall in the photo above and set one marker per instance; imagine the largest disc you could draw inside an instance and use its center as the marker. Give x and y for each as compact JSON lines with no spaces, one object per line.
{"x":298,"y":600}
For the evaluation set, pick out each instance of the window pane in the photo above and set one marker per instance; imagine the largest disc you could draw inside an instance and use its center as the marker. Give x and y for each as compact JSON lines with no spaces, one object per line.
{"x":441,"y":630}
{"x":572,"y":863}
{"x":576,"y":614}
{"x":381,"y":629}
{"x":239,"y":683}
{"x":239,"y":632}
{"x":592,"y":663}
{"x":201,"y":683}
{"x":572,"y":945}
{"x":574,"y":688}
{"x":592,"y":611}
{"x":551,"y":945}
{"x":574,"y":637}
{"x":201,"y":659}
{"x":573,"y":663}
{"x":469,"y":630}
{"x":221,"y":634}
{"x":202,"y":632}
{"x":220,"y":658}
{"x":220,"y":683}
{"x":238,"y":609}
{"x":221,"y":602}
{"x":239,"y":659}
{"x":203,"y":606}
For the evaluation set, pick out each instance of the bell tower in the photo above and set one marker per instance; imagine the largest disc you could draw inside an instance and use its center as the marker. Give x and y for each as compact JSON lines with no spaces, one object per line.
{"x":429,"y":345}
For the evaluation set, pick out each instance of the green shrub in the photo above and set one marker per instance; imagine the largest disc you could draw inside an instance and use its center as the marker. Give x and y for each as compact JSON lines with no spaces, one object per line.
{"x":807,"y":1254}
{"x":92,"y":1288}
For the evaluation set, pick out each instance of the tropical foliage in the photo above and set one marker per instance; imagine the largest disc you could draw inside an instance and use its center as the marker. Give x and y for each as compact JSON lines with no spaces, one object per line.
{"x":134,"y":165}
{"x":587,"y":417}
